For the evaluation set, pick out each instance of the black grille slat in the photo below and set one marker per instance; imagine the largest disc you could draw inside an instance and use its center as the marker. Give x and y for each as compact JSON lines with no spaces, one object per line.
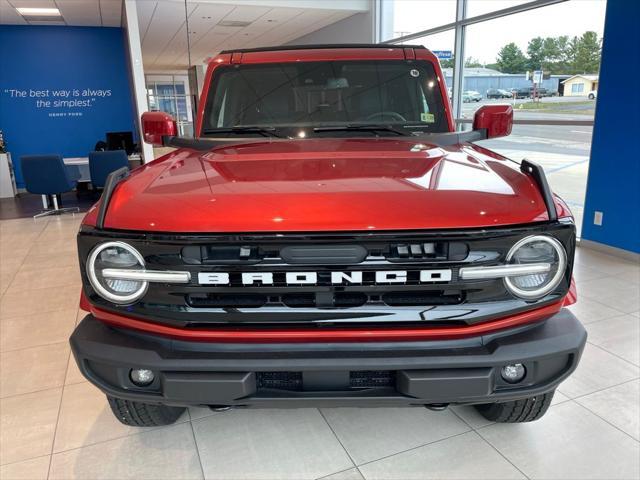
{"x":213,"y":300}
{"x":411,"y":299}
{"x":279,"y":381}
{"x":372,"y":379}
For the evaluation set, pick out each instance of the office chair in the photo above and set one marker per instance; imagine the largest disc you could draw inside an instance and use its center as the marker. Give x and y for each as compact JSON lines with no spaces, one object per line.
{"x":101,"y":164}
{"x":47,"y":175}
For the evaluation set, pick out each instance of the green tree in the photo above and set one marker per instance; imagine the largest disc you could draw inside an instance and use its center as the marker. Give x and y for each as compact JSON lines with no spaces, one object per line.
{"x":564,"y":59}
{"x":535,"y":53}
{"x":471,"y":62}
{"x":448,"y":63}
{"x":587,"y":53}
{"x":550,"y":55}
{"x":511,"y":59}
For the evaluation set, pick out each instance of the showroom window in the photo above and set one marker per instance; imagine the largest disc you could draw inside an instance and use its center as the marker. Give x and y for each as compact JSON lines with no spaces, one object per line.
{"x":500,"y":54}
{"x":170,"y":93}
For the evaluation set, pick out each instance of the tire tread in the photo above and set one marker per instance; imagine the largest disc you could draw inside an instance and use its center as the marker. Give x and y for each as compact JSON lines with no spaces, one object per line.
{"x":517,"y":411}
{"x":138,"y":414}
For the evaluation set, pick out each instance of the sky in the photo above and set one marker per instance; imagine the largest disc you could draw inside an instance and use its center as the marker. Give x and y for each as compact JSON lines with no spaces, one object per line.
{"x":485,"y":39}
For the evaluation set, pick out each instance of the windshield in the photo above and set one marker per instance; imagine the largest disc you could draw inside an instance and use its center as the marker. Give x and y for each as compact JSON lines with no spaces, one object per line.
{"x":281,"y":96}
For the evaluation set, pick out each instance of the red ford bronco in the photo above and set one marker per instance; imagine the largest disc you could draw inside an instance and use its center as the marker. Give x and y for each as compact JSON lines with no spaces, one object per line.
{"x":327,"y":239}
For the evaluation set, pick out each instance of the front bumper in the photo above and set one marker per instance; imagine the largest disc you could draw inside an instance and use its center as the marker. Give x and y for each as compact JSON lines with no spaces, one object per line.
{"x":330,"y":374}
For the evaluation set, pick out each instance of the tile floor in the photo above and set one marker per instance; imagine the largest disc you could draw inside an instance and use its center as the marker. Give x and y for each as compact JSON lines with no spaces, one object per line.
{"x":56,"y":425}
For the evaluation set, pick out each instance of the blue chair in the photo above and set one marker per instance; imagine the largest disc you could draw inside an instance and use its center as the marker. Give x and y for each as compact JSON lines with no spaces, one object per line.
{"x":101,"y":164}
{"x":47,"y":175}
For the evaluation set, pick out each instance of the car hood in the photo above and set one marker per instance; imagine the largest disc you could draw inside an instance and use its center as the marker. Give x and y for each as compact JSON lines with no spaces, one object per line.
{"x":324,"y":185}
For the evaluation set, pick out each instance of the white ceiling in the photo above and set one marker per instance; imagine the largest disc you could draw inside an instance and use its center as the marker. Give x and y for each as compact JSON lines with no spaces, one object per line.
{"x":95,"y":13}
{"x":163,"y":29}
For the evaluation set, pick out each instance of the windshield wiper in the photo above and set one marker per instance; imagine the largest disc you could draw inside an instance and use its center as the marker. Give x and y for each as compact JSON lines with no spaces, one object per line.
{"x":264,"y":131}
{"x":362,"y":128}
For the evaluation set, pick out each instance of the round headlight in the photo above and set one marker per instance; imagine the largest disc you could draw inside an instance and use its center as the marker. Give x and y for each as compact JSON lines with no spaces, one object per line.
{"x":537,"y":249}
{"x":116,"y":255}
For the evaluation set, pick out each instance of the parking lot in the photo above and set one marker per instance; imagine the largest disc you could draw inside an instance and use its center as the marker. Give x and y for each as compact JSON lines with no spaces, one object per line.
{"x":563,"y":150}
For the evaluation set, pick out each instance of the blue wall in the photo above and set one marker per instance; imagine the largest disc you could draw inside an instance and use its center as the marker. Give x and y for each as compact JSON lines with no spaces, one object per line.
{"x":37,"y":63}
{"x":613,"y":186}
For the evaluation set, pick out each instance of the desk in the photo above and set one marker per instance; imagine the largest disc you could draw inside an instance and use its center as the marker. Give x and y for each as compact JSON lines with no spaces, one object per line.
{"x":82,"y":164}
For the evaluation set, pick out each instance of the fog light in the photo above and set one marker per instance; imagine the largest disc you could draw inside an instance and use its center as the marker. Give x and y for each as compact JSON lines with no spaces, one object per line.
{"x":141,"y":377}
{"x":513,"y":373}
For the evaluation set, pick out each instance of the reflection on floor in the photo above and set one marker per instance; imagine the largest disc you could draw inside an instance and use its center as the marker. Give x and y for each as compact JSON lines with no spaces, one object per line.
{"x":56,"y":425}
{"x":26,"y":205}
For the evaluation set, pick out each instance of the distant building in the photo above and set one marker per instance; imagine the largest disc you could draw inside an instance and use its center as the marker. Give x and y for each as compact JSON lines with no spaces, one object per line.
{"x":580,"y":85}
{"x":482,"y":79}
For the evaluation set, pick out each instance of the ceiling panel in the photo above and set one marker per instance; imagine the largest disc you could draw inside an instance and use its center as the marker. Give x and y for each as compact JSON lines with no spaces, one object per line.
{"x":33,"y":3}
{"x":111,"y":13}
{"x":166,"y":21}
{"x":9,"y":15}
{"x":80,"y":13}
{"x":165,"y":37}
{"x":243,"y":13}
{"x":145,"y":11}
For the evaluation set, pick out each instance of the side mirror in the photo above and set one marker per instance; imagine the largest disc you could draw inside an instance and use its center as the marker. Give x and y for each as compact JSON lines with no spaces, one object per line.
{"x":156,"y":125}
{"x":496,"y":120}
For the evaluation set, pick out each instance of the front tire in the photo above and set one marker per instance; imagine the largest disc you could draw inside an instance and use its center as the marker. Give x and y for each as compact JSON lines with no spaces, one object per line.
{"x":138,"y":414}
{"x":591,"y":96}
{"x":518,"y":411}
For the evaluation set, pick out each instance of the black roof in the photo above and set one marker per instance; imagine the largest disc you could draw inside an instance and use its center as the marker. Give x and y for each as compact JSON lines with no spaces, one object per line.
{"x":318,"y":47}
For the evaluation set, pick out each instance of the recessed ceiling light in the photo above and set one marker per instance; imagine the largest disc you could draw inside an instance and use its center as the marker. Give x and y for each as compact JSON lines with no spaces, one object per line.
{"x":233,"y":23}
{"x":28,"y":11}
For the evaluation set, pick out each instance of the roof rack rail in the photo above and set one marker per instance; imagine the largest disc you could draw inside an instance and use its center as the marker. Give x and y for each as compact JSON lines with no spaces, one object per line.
{"x":110,"y":184}
{"x":319,"y":46}
{"x":537,"y":173}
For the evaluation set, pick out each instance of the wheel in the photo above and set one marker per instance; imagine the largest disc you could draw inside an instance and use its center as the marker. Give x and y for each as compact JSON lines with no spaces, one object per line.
{"x":591,"y":96}
{"x":138,"y":414}
{"x":518,"y":411}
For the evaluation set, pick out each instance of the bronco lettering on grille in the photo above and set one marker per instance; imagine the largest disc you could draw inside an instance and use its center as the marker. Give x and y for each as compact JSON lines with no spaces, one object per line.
{"x":333,"y":278}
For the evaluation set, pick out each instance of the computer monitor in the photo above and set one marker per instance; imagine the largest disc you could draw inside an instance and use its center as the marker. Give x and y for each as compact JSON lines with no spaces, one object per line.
{"x":120,"y":141}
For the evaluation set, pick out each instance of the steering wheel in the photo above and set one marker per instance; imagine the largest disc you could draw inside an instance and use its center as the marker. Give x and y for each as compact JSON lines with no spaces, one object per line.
{"x":394,"y":115}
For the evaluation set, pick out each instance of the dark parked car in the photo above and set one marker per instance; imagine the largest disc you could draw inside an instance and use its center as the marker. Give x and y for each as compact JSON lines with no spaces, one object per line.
{"x":498,"y":93}
{"x":528,"y":92}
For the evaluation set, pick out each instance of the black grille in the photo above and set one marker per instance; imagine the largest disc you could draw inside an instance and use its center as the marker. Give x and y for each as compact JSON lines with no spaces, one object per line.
{"x":325,"y":303}
{"x":325,"y":299}
{"x":279,"y":380}
{"x":294,"y":381}
{"x":372,"y":379}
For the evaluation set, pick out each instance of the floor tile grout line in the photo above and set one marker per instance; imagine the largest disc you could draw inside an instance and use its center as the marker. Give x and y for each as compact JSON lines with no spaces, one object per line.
{"x":195,"y":443}
{"x":496,"y":449}
{"x":319,"y":410}
{"x":35,"y":346}
{"x":25,"y":460}
{"x":569,"y":399}
{"x":415,"y":448}
{"x":340,"y":471}
{"x":614,"y":354}
{"x":502,"y":455}
{"x":607,"y":421}
{"x":55,"y":430}
{"x":608,"y":318}
{"x":137,"y":431}
{"x":461,"y":418}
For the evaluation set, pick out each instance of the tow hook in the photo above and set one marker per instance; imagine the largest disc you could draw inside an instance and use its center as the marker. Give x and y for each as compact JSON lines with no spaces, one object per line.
{"x":437,"y":407}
